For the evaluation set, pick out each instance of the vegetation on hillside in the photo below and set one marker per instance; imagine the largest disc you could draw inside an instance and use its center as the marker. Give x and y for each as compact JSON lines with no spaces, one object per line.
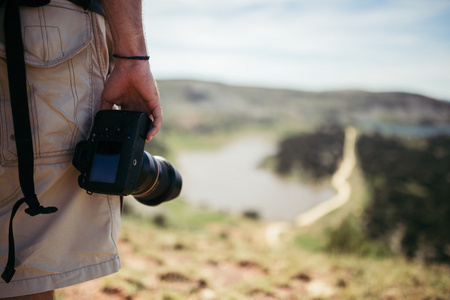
{"x":316,"y":155}
{"x":408,"y":181}
{"x":409,"y":184}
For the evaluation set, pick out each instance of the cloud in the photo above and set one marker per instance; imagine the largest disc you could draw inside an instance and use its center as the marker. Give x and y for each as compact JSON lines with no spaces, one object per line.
{"x":304,"y":44}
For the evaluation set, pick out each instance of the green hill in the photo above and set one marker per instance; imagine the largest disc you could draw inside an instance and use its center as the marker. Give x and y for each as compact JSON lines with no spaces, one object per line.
{"x":207,"y":107}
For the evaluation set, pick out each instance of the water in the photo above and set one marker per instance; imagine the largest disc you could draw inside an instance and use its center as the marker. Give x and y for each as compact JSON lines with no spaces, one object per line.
{"x":406,"y":130}
{"x":228,"y":179}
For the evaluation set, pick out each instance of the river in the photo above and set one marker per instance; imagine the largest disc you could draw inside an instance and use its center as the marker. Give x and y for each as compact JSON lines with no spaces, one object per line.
{"x":228,"y":179}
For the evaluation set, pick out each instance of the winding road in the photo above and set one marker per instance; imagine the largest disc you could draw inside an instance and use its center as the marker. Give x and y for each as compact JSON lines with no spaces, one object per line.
{"x":339,"y":181}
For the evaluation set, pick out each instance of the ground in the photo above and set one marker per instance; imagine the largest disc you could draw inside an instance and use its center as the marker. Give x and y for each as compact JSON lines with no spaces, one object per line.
{"x":231,"y":259}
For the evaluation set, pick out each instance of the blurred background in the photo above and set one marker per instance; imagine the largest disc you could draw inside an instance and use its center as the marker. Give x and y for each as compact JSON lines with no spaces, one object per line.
{"x":308,"y":45}
{"x":313,"y":138}
{"x":269,"y":87}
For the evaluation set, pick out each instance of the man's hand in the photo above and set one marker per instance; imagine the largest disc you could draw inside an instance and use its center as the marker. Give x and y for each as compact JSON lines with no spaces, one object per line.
{"x":132,"y":87}
{"x":130,"y":84}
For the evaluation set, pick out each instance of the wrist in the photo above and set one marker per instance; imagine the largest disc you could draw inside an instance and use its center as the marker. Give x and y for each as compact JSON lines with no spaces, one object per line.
{"x":127,"y":44}
{"x":132,"y":67}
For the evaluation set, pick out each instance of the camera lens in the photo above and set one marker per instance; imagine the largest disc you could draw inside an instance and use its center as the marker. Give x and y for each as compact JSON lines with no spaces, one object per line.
{"x":158,"y":181}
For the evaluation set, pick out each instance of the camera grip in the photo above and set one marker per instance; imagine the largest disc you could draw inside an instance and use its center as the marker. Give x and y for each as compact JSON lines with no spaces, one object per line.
{"x":81,"y":156}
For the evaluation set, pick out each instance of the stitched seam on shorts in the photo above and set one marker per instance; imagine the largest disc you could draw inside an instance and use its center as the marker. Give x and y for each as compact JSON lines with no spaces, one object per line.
{"x":113,"y":223}
{"x":98,"y":43}
{"x":4,"y":130}
{"x":73,"y":90}
{"x":45,"y":35}
{"x":14,"y":196}
{"x":34,"y":120}
{"x":42,"y":31}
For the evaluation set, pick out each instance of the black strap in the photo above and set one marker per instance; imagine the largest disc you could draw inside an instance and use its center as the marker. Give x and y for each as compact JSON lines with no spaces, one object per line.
{"x":9,"y":269}
{"x":21,"y":120}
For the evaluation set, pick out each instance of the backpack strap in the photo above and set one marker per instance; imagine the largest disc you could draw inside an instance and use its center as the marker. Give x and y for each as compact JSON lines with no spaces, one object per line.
{"x":21,"y":121}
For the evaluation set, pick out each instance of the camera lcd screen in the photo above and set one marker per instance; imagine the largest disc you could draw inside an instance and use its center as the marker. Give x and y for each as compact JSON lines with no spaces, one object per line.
{"x":106,"y":162}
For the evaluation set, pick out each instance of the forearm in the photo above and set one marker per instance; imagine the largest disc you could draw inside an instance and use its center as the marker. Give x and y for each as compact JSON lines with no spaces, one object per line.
{"x":125,"y":20}
{"x":130,"y":84}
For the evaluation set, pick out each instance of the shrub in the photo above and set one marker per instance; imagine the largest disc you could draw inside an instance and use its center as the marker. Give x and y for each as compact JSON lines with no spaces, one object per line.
{"x":314,"y":154}
{"x":410,"y":188}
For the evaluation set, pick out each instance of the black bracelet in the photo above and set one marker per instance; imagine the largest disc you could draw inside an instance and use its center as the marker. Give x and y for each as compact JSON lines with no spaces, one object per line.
{"x":132,"y":57}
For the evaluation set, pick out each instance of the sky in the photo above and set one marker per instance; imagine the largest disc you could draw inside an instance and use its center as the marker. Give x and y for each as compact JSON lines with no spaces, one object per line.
{"x":312,"y":45}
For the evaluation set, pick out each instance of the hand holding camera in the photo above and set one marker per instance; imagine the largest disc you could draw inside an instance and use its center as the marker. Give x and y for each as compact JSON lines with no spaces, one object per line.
{"x":132,"y":87}
{"x":113,"y":161}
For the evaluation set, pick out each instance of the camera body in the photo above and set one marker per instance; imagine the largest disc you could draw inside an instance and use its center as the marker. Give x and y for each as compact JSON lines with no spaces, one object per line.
{"x":110,"y":161}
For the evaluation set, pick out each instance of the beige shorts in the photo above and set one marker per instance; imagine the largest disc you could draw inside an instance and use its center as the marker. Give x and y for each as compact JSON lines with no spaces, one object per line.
{"x":67,"y":62}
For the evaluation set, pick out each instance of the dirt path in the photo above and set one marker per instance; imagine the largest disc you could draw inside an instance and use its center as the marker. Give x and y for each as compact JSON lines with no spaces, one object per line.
{"x":339,"y":181}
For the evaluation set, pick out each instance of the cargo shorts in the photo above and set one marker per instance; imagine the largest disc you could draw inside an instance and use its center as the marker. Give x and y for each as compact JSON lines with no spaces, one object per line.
{"x":66,"y":58}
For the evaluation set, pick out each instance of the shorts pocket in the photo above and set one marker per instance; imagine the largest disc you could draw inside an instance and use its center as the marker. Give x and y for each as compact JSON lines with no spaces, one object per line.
{"x":52,"y":33}
{"x":58,"y":56}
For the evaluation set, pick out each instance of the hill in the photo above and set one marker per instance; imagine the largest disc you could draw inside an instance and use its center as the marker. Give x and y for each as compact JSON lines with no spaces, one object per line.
{"x":207,"y":107}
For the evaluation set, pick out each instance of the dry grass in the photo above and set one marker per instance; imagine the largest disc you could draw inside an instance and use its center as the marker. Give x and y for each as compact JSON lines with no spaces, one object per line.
{"x":204,"y":255}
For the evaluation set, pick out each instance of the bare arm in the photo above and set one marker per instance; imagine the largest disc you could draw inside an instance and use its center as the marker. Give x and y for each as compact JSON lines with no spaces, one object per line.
{"x":131,"y":84}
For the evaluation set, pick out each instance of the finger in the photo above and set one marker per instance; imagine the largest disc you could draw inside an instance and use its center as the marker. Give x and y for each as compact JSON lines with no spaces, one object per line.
{"x":157,"y":119}
{"x":152,"y":132}
{"x":156,"y":126}
{"x":148,"y":137}
{"x":104,"y":105}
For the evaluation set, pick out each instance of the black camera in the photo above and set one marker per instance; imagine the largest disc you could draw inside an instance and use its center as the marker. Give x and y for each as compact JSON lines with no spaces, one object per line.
{"x":113,"y":161}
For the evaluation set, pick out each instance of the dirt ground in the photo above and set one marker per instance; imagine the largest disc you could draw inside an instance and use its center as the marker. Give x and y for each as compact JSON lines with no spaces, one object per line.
{"x":180,"y":274}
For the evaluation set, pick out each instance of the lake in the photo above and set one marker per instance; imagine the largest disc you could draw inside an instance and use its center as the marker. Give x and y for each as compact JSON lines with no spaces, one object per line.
{"x":228,"y":179}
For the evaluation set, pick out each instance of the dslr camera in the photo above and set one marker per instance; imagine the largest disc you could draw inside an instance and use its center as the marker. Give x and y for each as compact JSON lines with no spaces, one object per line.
{"x":113,"y":161}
